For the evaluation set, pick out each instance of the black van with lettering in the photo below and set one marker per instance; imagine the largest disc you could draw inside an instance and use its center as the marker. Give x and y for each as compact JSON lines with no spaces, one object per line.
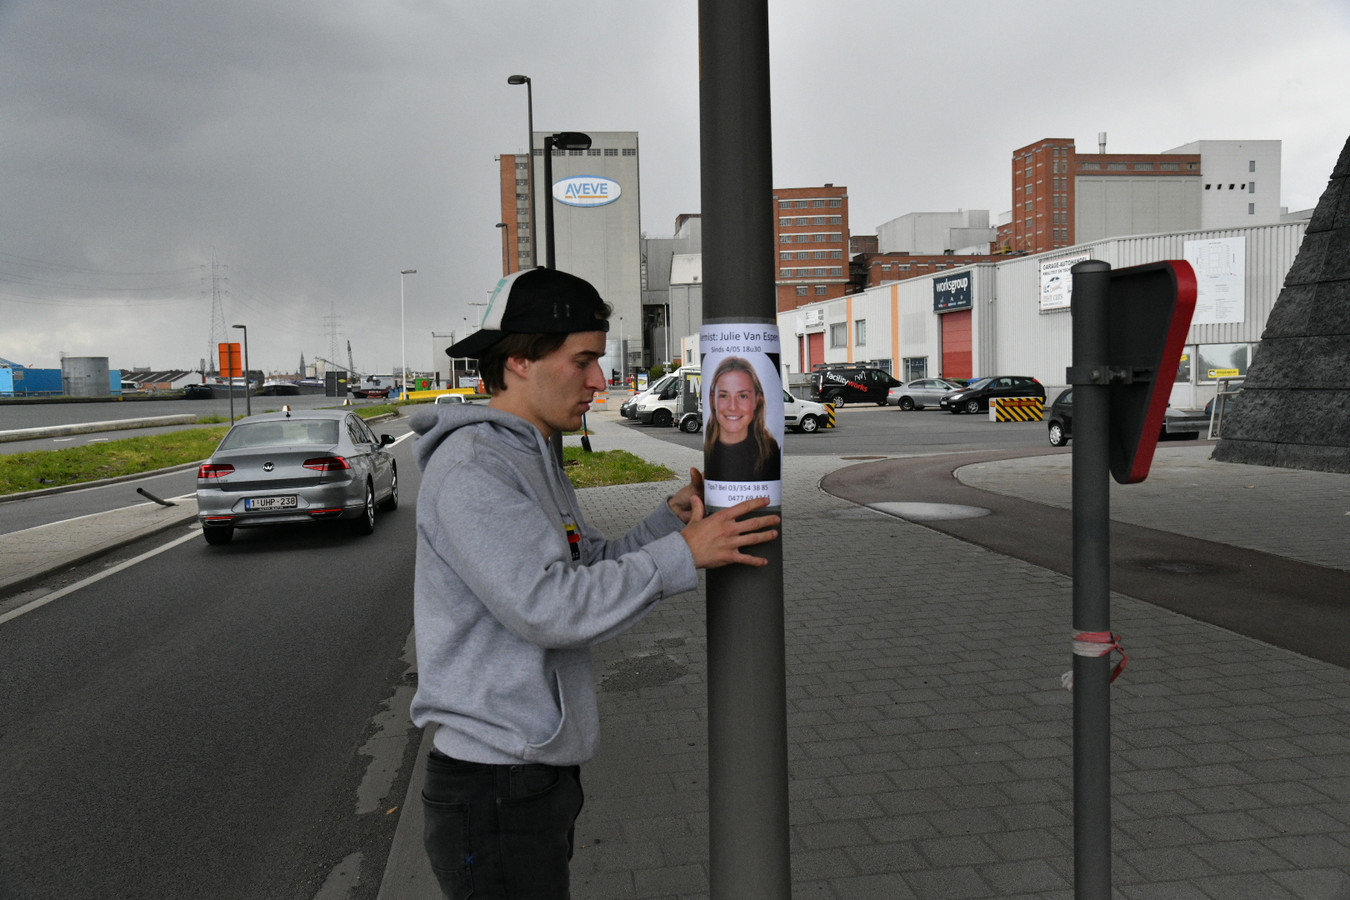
{"x":837,"y":385}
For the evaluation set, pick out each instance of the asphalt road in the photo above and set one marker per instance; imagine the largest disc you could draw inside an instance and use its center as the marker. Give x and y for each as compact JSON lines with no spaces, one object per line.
{"x":1242,"y":590}
{"x":15,"y":416}
{"x":867,"y":429}
{"x":207,"y":722}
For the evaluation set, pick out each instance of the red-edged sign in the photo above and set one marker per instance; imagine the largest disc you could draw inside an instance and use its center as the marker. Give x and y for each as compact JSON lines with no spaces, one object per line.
{"x":1149,"y":311}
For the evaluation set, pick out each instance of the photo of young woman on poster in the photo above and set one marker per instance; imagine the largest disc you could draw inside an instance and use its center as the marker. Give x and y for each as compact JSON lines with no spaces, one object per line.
{"x":738,"y":446}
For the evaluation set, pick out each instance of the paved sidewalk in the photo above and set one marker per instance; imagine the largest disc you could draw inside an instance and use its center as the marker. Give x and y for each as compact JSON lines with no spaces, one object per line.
{"x":930,"y":740}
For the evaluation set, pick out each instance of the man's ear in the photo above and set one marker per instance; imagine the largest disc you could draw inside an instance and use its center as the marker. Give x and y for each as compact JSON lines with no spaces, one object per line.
{"x":518,"y":366}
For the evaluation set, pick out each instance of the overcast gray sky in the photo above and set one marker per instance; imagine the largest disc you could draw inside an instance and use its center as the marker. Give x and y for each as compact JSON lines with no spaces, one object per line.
{"x":314,"y":148}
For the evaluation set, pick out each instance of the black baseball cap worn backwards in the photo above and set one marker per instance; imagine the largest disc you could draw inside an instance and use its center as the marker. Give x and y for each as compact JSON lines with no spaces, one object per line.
{"x":535,"y":301}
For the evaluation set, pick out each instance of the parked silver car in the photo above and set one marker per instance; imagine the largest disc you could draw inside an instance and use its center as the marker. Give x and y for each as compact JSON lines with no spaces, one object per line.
{"x":302,"y":466}
{"x":919,"y":393}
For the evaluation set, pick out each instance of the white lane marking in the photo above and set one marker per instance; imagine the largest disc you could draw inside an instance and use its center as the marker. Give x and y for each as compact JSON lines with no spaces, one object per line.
{"x":70,"y":589}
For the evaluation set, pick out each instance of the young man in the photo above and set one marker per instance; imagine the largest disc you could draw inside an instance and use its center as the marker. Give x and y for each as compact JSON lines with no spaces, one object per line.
{"x":513,"y":588}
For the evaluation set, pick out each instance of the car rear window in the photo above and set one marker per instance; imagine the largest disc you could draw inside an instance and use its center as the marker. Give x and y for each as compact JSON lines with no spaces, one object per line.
{"x":289,"y":431}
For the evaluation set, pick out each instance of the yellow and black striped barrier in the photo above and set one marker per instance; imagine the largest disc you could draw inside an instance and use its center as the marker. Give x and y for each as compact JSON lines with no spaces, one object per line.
{"x":829,"y":409}
{"x":1018,"y":409}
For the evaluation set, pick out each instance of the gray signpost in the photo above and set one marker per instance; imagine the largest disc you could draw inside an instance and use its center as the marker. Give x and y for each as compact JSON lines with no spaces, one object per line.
{"x":1129,"y":327}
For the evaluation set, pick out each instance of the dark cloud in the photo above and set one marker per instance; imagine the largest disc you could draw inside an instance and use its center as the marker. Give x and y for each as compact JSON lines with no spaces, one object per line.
{"x":315,"y":149}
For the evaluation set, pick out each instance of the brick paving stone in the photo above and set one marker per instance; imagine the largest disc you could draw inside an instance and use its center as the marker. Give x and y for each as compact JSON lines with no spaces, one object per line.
{"x":924,"y":711}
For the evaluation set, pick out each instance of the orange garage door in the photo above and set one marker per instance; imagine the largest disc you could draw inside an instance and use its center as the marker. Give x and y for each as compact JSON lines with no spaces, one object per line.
{"x":956,"y":349}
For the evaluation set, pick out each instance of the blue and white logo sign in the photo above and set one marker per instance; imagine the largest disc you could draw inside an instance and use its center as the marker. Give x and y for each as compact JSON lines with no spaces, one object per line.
{"x":586,"y":190}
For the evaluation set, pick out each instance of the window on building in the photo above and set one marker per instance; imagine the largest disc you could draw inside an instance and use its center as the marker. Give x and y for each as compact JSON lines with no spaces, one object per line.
{"x":1251,"y":209}
{"x":1251,"y":165}
{"x":860,"y":333}
{"x":1170,"y":167}
{"x":801,"y":290}
{"x":799,"y":204}
{"x":611,"y":151}
{"x":1251,"y":187}
{"x":784,"y":223}
{"x":817,"y":202}
{"x":914,"y":367}
{"x":820,"y":289}
{"x":1215,"y":361}
{"x":836,"y":220}
{"x":836,"y":202}
{"x":630,"y":151}
{"x":839,"y":334}
{"x":594,"y":151}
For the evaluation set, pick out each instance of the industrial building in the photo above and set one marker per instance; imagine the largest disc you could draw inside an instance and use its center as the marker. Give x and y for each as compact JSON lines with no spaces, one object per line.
{"x":597,"y":226}
{"x":1012,"y":317}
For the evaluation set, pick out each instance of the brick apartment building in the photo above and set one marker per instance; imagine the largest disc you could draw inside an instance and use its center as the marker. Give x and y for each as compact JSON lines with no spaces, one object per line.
{"x":812,"y":239}
{"x":1061,"y":197}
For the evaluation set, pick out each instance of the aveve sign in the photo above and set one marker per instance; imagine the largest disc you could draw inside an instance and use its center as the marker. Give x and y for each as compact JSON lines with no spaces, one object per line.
{"x":586,"y":190}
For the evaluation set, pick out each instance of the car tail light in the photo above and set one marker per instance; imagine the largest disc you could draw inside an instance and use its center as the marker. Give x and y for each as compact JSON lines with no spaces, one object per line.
{"x":327,"y":463}
{"x":212,"y":470}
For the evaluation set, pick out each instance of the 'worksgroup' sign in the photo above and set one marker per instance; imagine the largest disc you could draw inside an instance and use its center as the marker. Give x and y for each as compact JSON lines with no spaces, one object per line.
{"x":951,"y":292}
{"x":586,"y":190}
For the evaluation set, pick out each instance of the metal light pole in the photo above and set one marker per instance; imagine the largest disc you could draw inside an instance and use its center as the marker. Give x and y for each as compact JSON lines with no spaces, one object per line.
{"x":747,"y":703}
{"x":248,"y":401}
{"x":403,"y":327}
{"x":529,"y":156}
{"x":506,"y":234}
{"x":563,"y":140}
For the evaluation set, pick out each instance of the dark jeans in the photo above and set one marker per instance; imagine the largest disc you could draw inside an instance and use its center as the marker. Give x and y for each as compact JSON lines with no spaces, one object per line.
{"x":500,"y":832}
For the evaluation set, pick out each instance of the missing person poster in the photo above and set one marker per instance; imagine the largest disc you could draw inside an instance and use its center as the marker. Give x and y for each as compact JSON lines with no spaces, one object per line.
{"x":742,"y":395}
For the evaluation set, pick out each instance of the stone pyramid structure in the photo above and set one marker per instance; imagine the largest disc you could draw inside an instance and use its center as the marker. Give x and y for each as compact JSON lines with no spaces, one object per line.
{"x":1294,"y":409}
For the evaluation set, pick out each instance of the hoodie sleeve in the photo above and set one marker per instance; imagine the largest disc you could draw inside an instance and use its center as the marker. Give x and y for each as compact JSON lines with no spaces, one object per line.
{"x":511,"y":550}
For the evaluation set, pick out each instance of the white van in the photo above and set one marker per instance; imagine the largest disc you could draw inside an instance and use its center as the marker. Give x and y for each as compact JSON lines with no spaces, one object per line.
{"x":629,"y":408}
{"x":661,"y":405}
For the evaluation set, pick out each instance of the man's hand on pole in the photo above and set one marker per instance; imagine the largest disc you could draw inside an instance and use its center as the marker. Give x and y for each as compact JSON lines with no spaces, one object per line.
{"x":719,"y":539}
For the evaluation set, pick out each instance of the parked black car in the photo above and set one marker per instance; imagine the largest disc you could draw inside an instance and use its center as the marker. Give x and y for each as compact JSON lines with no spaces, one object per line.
{"x":837,"y":385}
{"x":974,"y":397}
{"x":1175,"y":427}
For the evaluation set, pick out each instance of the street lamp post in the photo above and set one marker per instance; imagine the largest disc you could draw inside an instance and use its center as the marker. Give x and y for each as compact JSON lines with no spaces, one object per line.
{"x":529,"y":156}
{"x":248,"y":401}
{"x":563,"y":140}
{"x":506,"y":234}
{"x":403,"y":326}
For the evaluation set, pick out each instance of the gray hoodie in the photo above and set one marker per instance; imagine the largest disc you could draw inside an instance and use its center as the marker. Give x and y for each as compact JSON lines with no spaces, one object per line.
{"x":512,"y":589}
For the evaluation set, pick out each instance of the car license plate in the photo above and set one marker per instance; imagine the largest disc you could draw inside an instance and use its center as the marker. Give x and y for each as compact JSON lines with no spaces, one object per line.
{"x":270,"y":503}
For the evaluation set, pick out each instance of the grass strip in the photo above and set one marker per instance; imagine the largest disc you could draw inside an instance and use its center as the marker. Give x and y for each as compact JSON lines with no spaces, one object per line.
{"x":35,"y":469}
{"x":606,"y":467}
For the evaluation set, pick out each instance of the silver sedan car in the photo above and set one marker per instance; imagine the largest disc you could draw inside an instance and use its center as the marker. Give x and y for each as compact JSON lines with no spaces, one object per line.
{"x":303,"y":466}
{"x":919,"y":393}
